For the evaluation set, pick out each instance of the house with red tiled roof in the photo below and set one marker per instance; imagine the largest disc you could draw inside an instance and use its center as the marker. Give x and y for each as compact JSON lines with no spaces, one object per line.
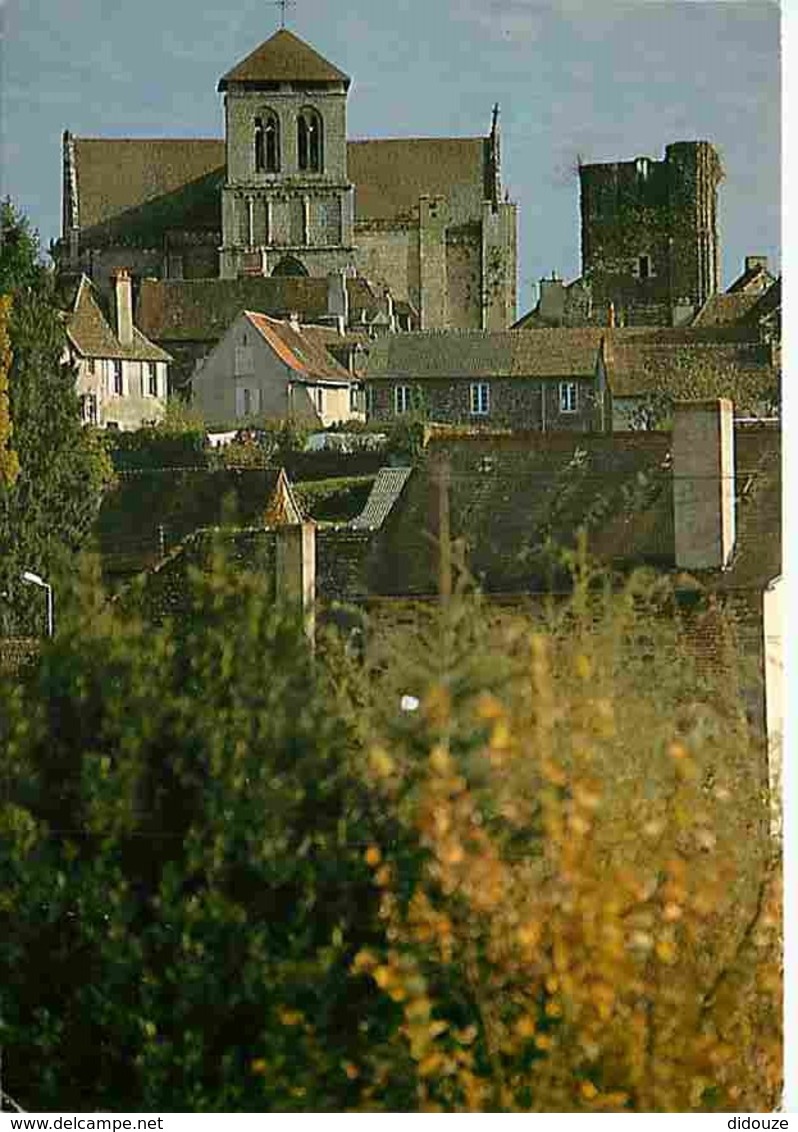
{"x":265,"y":368}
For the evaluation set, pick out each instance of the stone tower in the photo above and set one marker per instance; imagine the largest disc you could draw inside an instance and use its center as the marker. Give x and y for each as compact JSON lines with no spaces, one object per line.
{"x":650,"y":239}
{"x":287,"y":202}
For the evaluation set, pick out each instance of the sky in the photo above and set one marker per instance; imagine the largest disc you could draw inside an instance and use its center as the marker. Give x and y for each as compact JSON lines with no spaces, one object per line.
{"x":589,"y":80}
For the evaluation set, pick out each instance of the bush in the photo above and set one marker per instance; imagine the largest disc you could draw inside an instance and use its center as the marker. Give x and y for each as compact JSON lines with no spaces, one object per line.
{"x":237,"y":878}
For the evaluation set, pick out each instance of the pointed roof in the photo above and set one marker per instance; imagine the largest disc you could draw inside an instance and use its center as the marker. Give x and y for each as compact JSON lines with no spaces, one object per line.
{"x":91,"y":334}
{"x":283,"y":58}
{"x":304,"y":354}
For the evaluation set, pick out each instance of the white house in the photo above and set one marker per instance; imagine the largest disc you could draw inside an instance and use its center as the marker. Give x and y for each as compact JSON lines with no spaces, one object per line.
{"x":269,"y":369}
{"x":121,"y":375}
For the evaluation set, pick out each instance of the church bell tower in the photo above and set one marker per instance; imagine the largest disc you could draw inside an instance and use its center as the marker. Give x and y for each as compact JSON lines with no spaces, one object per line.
{"x":287,"y":202}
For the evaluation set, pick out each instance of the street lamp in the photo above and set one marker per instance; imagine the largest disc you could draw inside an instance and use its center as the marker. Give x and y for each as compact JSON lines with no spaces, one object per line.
{"x":34,"y":580}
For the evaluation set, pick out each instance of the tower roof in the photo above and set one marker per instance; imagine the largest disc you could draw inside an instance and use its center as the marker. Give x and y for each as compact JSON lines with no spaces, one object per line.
{"x":284,"y":57}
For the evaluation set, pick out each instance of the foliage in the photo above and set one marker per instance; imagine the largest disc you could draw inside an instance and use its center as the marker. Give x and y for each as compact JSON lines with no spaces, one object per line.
{"x":587,"y":921}
{"x":47,"y":512}
{"x":547,"y":889}
{"x":334,"y":500}
{"x":19,"y":250}
{"x":9,"y":461}
{"x":181,"y":863}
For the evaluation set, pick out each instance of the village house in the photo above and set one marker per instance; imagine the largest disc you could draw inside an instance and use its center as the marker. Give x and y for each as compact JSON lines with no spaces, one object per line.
{"x":266,"y":369}
{"x":549,"y":380}
{"x":122,"y":376}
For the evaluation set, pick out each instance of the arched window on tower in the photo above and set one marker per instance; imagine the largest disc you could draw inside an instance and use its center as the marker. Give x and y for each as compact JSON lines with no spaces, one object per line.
{"x":267,"y":143}
{"x":310,"y":142}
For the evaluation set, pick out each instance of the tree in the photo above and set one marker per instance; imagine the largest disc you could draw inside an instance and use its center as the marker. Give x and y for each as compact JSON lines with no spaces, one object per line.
{"x":182,"y":866}
{"x":56,"y":470}
{"x":589,"y":919}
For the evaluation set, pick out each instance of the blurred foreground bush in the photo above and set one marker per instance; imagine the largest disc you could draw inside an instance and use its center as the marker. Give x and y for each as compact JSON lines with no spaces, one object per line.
{"x":238,"y":878}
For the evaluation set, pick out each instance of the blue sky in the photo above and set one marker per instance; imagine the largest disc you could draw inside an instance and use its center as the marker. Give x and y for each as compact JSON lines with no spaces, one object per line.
{"x":575,"y":79}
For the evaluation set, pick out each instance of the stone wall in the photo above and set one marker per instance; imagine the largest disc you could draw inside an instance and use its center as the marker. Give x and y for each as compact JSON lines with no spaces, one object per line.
{"x":515,"y":402}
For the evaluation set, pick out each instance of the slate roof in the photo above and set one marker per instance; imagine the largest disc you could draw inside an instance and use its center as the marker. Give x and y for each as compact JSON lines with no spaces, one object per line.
{"x":515,"y":496}
{"x":284,"y":57}
{"x":305,"y":354}
{"x":91,"y":334}
{"x":385,"y":491}
{"x":756,"y":278}
{"x":119,"y":175}
{"x":181,"y":500}
{"x":140,"y":187}
{"x":391,"y":174}
{"x":482,"y":353}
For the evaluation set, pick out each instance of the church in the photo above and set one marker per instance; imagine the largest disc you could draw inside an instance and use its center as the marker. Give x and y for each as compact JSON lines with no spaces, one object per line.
{"x":287,"y":196}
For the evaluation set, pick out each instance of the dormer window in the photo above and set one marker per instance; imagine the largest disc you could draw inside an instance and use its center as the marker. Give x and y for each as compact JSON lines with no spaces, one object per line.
{"x":310,"y":143}
{"x":267,"y":143}
{"x":642,"y":165}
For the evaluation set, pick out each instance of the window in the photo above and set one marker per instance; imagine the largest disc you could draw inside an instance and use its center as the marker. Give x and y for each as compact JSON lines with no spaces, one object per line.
{"x":644,"y":267}
{"x":267,"y":143}
{"x":310,"y":144}
{"x":567,"y":396}
{"x":244,"y":359}
{"x":92,"y":366}
{"x":152,"y":379}
{"x":88,"y":409}
{"x":369,"y":401}
{"x":118,"y":380}
{"x":320,"y":399}
{"x":355,"y":398}
{"x":401,"y":399}
{"x":642,"y":165}
{"x":480,"y":398}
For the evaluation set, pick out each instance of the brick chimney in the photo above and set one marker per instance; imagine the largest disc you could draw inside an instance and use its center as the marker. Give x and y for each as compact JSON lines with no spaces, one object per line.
{"x":123,"y":305}
{"x":703,"y":484}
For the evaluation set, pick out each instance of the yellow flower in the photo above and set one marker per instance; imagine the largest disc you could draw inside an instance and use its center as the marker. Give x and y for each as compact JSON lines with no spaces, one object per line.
{"x":583,"y":666}
{"x":588,"y":1090}
{"x":489,"y":707}
{"x":525,"y":1027}
{"x":258,"y":1066}
{"x":500,"y":737}
{"x":440,"y":760}
{"x":351,"y":1071}
{"x":665,"y":951}
{"x":380,"y":762}
{"x":289,"y":1017}
{"x":372,"y":856}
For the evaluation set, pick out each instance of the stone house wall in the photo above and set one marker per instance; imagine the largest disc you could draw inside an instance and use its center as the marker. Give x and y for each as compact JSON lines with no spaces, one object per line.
{"x":515,"y":402}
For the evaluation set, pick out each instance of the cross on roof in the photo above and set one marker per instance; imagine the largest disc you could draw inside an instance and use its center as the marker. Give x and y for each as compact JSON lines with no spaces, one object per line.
{"x":282,"y":5}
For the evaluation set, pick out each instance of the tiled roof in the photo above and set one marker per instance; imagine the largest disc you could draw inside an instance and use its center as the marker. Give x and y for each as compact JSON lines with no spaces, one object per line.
{"x":282,"y":58}
{"x":282,"y":508}
{"x":304,"y":354}
{"x":385,"y":491}
{"x":726,"y":310}
{"x":482,"y":353}
{"x":202,"y":309}
{"x":767,"y":304}
{"x":92,"y":336}
{"x":757,"y":556}
{"x":391,"y":174}
{"x":686,"y":363}
{"x":117,"y":175}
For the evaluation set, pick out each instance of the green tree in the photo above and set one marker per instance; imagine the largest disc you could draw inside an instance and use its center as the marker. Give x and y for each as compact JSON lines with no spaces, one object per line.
{"x":182,"y":874}
{"x":48,"y":507}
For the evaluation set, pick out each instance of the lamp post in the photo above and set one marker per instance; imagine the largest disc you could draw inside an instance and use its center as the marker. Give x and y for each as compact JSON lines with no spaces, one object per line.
{"x":35,"y":580}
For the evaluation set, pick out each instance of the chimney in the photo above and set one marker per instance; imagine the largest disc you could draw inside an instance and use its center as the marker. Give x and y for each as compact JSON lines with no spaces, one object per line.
{"x":338,"y":296}
{"x":552,"y":299}
{"x":703,"y":484}
{"x":123,"y":305}
{"x":296,"y":570}
{"x":389,"y":310}
{"x":752,"y":262}
{"x":293,"y":321}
